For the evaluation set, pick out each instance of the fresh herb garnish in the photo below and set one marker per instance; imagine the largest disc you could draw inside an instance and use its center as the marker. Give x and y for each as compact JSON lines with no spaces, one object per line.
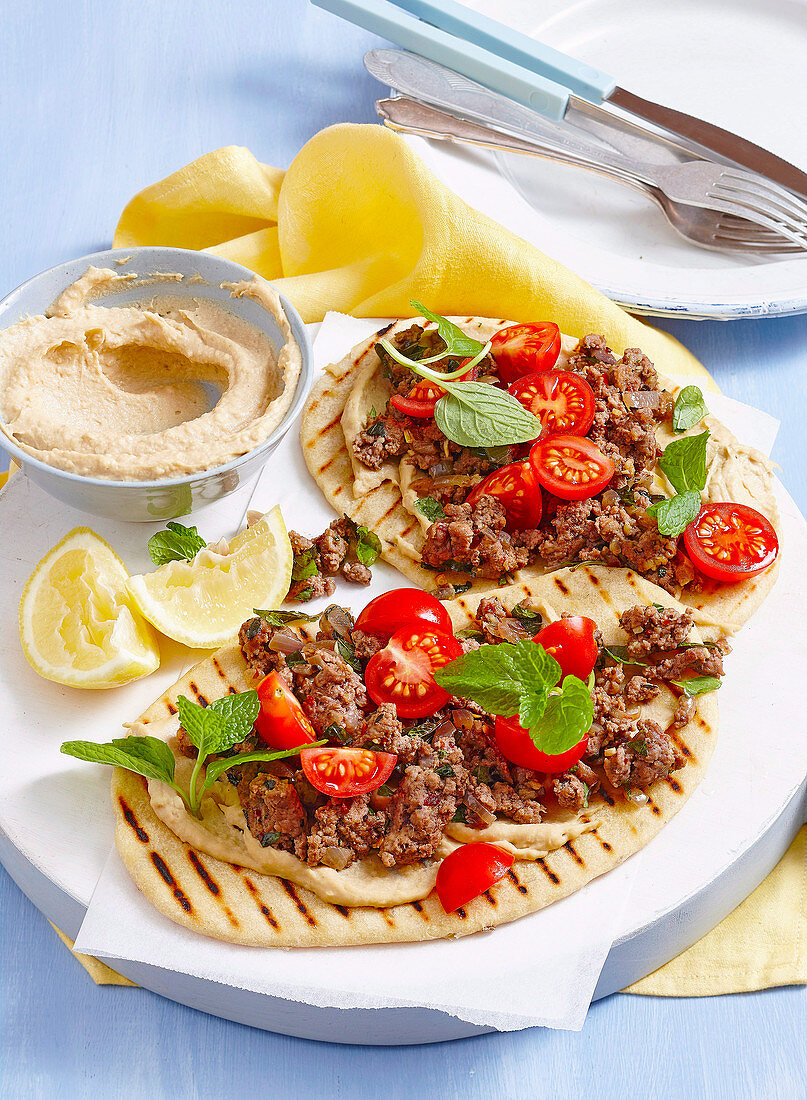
{"x":365,"y":545}
{"x":675,"y":515}
{"x":689,"y":408}
{"x":639,"y":746}
{"x":215,"y":728}
{"x":460,"y":588}
{"x":304,"y":565}
{"x":303,"y":595}
{"x":471,"y":414}
{"x":267,"y":839}
{"x":698,"y":685}
{"x":482,"y":774}
{"x":622,"y":657}
{"x":684,"y":462}
{"x":445,"y":771}
{"x":385,"y":791}
{"x":459,"y":816}
{"x":348,"y":654}
{"x":373,"y":414}
{"x":529,"y":618}
{"x":684,"y":465}
{"x":178,"y":543}
{"x":425,"y":728}
{"x":335,"y":732}
{"x":430,"y":508}
{"x":523,"y":679}
{"x":280,"y":618}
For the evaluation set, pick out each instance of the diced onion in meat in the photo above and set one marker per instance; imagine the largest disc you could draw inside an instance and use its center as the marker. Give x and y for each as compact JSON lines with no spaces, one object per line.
{"x":283,"y":641}
{"x":642,"y":399}
{"x":638,"y":798}
{"x":338,"y":619}
{"x":337,"y":858}
{"x":444,"y":728}
{"x":441,"y":468}
{"x":476,"y":807}
{"x":609,"y":498}
{"x":464,"y":719}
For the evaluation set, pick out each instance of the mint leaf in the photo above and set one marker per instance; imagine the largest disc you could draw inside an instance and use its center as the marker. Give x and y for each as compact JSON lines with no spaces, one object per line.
{"x":150,"y":757}
{"x":178,"y":543}
{"x":698,"y":685}
{"x":499,"y":676}
{"x":280,"y":618}
{"x":684,"y":462}
{"x":566,"y":719}
{"x":368,"y":546}
{"x":429,"y":507}
{"x":476,"y":414}
{"x":622,"y":657}
{"x":457,"y":343}
{"x":304,"y":566}
{"x":216,"y":768}
{"x":238,"y":713}
{"x":674,"y":515}
{"x":689,"y":408}
{"x":203,"y":726}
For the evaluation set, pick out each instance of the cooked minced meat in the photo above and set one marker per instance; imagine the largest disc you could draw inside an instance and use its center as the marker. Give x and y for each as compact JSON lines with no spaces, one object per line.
{"x":424,"y":803}
{"x":698,"y":661}
{"x":317,"y":561}
{"x":331,"y":692}
{"x":474,"y":538}
{"x":655,"y":628}
{"x":272,"y":806}
{"x":648,"y":756}
{"x":254,"y":638}
{"x":349,"y":824}
{"x":383,"y":730}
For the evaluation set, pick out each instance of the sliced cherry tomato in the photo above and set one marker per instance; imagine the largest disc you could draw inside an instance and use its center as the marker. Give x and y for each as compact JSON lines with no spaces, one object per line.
{"x":345,"y":773}
{"x":281,"y":721}
{"x":731,"y":542}
{"x":516,"y":744}
{"x":425,"y":394}
{"x":571,"y":466}
{"x":402,"y":673}
{"x":571,"y":642}
{"x":516,"y":486}
{"x":468,"y":872}
{"x":561,"y":399}
{"x":522,"y":349}
{"x":402,"y":607}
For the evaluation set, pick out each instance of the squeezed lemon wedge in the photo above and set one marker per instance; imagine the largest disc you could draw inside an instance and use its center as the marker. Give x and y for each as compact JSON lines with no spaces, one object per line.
{"x":203,"y":602}
{"x":77,"y":623}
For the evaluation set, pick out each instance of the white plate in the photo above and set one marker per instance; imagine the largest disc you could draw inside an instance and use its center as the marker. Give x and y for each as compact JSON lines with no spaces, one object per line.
{"x":738,"y":63}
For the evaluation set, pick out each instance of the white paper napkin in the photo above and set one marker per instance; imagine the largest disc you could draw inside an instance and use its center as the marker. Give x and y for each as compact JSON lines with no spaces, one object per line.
{"x":539,"y":970}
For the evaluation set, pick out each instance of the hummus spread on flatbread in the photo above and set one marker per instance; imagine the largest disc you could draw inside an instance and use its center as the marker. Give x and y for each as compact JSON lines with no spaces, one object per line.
{"x":139,"y":392}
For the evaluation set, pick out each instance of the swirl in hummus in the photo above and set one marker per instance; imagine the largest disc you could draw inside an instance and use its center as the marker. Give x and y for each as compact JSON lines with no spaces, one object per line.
{"x":123,"y":392}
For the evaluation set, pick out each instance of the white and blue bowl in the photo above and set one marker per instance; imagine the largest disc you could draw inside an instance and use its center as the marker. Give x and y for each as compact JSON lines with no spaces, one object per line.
{"x":162,"y":498}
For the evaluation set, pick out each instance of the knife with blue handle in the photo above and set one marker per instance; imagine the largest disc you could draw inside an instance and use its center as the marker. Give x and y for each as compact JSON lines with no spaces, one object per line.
{"x":548,"y":82}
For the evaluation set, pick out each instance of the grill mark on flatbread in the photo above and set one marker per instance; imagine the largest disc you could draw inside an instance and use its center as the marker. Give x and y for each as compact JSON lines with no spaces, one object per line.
{"x":165,"y":874}
{"x":522,"y":889}
{"x":132,"y":822}
{"x":343,"y":909}
{"x":201,"y":700}
{"x":550,"y":874}
{"x":489,"y":898}
{"x":606,"y":796}
{"x":222,"y":675}
{"x":387,"y":918}
{"x":594,"y":580}
{"x":171,"y":708}
{"x":653,"y":807}
{"x":203,"y":873}
{"x":559,"y":584}
{"x":606,"y":847}
{"x":682,"y":745}
{"x":328,"y":464}
{"x":287,"y":886}
{"x":570,"y":848}
{"x":460,"y":913}
{"x":673,"y":784}
{"x":418,"y":907}
{"x":265,"y":910}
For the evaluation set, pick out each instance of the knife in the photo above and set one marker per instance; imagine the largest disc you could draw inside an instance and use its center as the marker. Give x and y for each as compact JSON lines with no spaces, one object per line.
{"x":547,"y":81}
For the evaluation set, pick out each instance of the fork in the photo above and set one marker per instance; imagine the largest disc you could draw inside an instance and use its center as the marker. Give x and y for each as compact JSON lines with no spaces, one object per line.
{"x":713,"y":205}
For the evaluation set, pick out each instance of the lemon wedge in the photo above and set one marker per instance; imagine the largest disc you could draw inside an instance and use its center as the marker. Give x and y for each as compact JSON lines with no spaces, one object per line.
{"x":203,"y":602}
{"x":77,"y":625}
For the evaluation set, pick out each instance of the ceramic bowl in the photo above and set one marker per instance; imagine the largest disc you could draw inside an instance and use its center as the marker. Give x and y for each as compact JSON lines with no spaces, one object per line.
{"x":163,"y":498}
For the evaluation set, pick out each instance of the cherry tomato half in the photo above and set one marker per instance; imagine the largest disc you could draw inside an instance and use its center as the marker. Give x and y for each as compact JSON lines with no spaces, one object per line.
{"x":522,"y":349}
{"x":518,"y":747}
{"x":561,"y":399}
{"x":425,"y":394}
{"x":571,"y":642}
{"x":281,"y":722}
{"x":731,"y":542}
{"x":402,"y":673}
{"x":345,"y":773}
{"x":571,"y":466}
{"x":468,"y":872}
{"x":516,"y":486}
{"x":401,"y":607}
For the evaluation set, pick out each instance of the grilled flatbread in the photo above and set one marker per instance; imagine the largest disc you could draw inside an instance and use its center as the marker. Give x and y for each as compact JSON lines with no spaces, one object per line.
{"x":383,"y":500}
{"x":208,"y":878}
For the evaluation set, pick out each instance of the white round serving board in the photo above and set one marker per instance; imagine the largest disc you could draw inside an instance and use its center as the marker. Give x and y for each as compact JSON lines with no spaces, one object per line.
{"x":56,"y":821}
{"x":737,"y":63}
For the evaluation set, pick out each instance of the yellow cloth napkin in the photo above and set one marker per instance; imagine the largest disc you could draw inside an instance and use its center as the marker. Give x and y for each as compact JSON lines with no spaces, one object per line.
{"x":760,"y":945}
{"x":359,"y":224}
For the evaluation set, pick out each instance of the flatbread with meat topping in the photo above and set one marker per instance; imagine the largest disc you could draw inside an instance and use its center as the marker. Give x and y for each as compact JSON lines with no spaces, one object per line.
{"x":648,"y":749}
{"x":375,"y":465}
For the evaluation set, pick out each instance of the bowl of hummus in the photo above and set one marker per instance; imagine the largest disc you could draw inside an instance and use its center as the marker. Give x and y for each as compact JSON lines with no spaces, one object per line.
{"x":143,"y":385}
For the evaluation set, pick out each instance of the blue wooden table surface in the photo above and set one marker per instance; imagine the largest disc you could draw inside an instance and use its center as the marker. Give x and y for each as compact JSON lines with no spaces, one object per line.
{"x":99,"y":99}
